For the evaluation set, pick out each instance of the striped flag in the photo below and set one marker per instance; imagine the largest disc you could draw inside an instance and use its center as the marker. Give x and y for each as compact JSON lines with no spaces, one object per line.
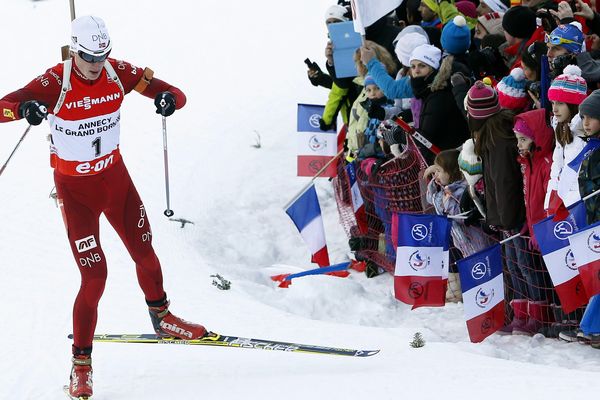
{"x":483,"y":292}
{"x":315,"y":147}
{"x":586,"y":249}
{"x":358,"y":206}
{"x":305,"y":212}
{"x":553,"y":237}
{"x":421,"y":272}
{"x":366,"y":12}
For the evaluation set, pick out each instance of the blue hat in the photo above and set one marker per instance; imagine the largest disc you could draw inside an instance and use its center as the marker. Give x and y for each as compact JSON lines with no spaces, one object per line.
{"x":456,"y":36}
{"x":369,"y":81}
{"x":569,"y":32}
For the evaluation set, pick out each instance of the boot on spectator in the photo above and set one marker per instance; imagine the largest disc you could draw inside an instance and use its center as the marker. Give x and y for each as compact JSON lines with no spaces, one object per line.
{"x":539,"y":313}
{"x":562,"y":321}
{"x":519,"y":320}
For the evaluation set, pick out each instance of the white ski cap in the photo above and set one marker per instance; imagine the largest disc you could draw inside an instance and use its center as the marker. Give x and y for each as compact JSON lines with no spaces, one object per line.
{"x":89,"y":34}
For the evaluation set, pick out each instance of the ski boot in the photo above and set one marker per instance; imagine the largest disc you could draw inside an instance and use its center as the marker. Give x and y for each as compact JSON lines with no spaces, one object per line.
{"x":168,"y":325}
{"x":80,"y":385}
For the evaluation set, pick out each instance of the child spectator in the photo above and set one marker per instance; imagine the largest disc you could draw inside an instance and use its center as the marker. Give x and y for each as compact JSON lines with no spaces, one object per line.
{"x":359,"y":117}
{"x":492,"y":130}
{"x":566,"y":93}
{"x":444,"y":192}
{"x":378,"y":108}
{"x":589,"y":182}
{"x":535,"y":141}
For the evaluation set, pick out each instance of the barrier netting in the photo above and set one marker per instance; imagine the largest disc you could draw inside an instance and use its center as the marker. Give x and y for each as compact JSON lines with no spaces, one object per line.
{"x":397,"y":185}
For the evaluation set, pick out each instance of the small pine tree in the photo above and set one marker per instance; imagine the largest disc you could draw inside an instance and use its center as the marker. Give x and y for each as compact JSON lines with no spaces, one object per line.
{"x":417,"y":341}
{"x":222,"y":283}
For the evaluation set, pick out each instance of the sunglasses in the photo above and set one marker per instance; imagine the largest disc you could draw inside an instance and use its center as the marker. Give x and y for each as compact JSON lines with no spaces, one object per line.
{"x":557,"y":40}
{"x":91,"y":58}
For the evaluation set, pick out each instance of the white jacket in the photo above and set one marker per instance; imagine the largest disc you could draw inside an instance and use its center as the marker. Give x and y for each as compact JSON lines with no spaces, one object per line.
{"x":568,"y":192}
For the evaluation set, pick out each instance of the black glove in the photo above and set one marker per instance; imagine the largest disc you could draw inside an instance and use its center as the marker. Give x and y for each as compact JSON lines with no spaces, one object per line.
{"x":324,"y":126}
{"x":165,"y":103}
{"x":467,"y":204}
{"x":377,"y":112}
{"x":33,"y":111}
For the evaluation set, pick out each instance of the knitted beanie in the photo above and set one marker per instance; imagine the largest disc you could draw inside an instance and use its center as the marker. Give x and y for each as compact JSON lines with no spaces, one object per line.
{"x":569,"y":32}
{"x":492,"y":22}
{"x":569,"y":87}
{"x":511,"y":91}
{"x":519,"y":22}
{"x":470,"y":163}
{"x":590,"y":107}
{"x":369,"y":81}
{"x":427,"y":54}
{"x":497,"y":5}
{"x":456,"y":36}
{"x":522,"y":128}
{"x":482,"y":101}
{"x":336,"y":12}
{"x":466,"y":8}
{"x":407,"y":43}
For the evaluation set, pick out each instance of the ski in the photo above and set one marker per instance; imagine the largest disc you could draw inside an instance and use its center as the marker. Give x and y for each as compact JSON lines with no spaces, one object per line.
{"x":66,"y":390}
{"x":234,"y":342}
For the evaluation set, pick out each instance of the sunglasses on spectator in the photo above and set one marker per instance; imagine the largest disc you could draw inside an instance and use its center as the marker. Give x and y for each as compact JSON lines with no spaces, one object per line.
{"x":557,"y":40}
{"x":89,"y":58}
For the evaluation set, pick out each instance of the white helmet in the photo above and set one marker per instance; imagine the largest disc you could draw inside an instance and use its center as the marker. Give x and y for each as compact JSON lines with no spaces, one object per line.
{"x":89,"y":35}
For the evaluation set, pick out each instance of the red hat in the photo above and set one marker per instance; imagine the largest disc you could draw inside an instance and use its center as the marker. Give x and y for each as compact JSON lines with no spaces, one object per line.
{"x":511,"y":91}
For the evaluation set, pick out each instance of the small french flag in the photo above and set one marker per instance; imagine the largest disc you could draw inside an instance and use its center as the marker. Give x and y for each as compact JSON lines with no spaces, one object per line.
{"x":483,"y":292}
{"x":305,"y":212}
{"x":553,"y":237}
{"x":586,"y":249}
{"x":358,"y":205}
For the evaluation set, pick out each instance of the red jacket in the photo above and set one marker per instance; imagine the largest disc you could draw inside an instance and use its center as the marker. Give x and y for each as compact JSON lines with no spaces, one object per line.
{"x":46,"y":88}
{"x":536,"y":167}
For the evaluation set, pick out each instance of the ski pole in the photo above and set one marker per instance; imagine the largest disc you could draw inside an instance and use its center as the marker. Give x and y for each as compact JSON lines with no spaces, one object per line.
{"x":168,"y":212}
{"x":15,"y":149}
{"x":415,"y":134}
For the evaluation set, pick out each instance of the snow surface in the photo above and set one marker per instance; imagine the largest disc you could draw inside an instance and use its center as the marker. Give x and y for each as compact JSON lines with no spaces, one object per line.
{"x":241,"y":65}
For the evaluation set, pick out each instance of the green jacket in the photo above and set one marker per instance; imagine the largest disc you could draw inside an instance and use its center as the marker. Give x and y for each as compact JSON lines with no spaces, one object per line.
{"x":336,"y":102}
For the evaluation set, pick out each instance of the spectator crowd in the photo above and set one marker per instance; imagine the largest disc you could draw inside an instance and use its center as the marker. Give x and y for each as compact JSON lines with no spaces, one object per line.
{"x":503,"y":96}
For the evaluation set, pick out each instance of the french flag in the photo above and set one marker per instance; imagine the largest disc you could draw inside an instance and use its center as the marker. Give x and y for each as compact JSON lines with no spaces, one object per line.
{"x":305,"y":212}
{"x":553,"y":238}
{"x":586,"y":249}
{"x":358,"y":206}
{"x":483,"y":292}
{"x":315,"y":147}
{"x":422,"y":260}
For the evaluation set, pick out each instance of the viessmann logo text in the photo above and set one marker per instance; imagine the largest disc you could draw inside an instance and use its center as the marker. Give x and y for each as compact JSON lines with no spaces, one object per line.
{"x":88,"y":102}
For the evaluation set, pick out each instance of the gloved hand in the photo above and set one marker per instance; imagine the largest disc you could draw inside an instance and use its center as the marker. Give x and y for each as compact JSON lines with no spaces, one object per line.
{"x":33,"y":112}
{"x":458,"y":78}
{"x":324,"y":126}
{"x":315,"y":74}
{"x":165,"y":103}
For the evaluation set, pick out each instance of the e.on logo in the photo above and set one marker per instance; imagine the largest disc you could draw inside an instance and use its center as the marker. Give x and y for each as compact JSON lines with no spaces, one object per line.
{"x":85,"y":244}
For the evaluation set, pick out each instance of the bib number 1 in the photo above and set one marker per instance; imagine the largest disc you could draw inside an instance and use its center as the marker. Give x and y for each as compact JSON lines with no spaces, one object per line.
{"x":96,"y":146}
